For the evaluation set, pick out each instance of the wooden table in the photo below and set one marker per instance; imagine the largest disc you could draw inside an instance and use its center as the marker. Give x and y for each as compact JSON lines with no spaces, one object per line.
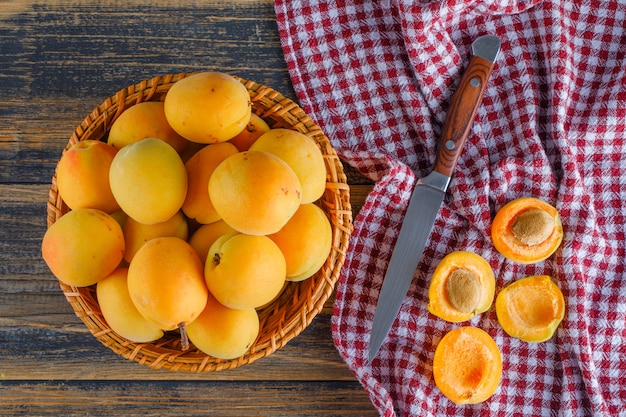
{"x":58,"y":60}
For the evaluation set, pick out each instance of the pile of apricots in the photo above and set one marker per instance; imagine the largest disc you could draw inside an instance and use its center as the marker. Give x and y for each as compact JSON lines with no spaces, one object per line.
{"x":467,"y":365}
{"x":192,"y":215}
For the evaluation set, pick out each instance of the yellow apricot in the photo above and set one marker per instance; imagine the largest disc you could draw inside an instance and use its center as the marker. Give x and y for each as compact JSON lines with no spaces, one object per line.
{"x":197,"y":204}
{"x":255,"y":128}
{"x":255,"y":192}
{"x":462,"y":286}
{"x":224,"y":332}
{"x":166,"y":283}
{"x":83,"y":176}
{"x":141,"y":121}
{"x":202,"y":239}
{"x":208,"y":107}
{"x":136,"y":234}
{"x":148,"y":180}
{"x":83,"y":246}
{"x":531,"y":308}
{"x":527,"y":230}
{"x":302,"y":154}
{"x":119,"y":311}
{"x":305,"y":241}
{"x":467,"y":365}
{"x":244,"y":271}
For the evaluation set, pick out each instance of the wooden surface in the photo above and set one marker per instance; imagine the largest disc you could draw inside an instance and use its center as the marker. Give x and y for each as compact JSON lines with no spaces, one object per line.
{"x":58,"y":60}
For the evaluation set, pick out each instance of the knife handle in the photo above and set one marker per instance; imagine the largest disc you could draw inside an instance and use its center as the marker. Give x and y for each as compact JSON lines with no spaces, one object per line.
{"x":460,"y":115}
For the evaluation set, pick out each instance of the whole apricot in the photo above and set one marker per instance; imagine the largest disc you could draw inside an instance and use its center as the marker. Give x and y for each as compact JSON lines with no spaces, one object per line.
{"x":197,"y":204}
{"x":255,"y":128}
{"x":119,"y":311}
{"x":166,"y":283}
{"x":136,"y":234}
{"x":203,"y":238}
{"x":531,"y":308}
{"x":224,"y":332}
{"x":144,"y":120}
{"x":83,"y":176}
{"x":83,"y":246}
{"x":244,"y":271}
{"x":208,"y":107}
{"x":148,"y":180}
{"x":305,"y":241}
{"x":302,"y":154}
{"x":255,"y":192}
{"x":467,"y":365}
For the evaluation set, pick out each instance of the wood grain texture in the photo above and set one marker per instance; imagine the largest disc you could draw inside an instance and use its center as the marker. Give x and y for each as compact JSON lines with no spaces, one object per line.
{"x":58,"y":60}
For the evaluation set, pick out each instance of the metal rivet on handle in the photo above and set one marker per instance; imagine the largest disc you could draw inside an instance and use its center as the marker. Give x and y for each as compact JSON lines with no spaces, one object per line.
{"x":449,"y":145}
{"x":475,"y":82}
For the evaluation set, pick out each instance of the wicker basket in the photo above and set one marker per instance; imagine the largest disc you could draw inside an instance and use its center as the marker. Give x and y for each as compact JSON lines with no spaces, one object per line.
{"x":297,"y":305}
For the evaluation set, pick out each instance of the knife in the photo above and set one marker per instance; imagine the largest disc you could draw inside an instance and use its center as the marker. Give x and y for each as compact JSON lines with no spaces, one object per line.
{"x":429,"y":192}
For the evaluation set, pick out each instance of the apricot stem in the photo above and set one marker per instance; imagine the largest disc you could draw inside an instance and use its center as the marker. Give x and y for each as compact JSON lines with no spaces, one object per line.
{"x":533,"y":226}
{"x":463,"y":290}
{"x":184,"y":340}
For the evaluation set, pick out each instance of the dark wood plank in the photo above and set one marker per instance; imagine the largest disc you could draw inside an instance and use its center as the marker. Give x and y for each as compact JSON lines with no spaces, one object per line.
{"x":58,"y":60}
{"x":197,"y":398}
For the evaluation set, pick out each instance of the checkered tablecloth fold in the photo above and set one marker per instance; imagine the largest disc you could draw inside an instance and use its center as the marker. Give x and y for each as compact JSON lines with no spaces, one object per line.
{"x":377,"y":76}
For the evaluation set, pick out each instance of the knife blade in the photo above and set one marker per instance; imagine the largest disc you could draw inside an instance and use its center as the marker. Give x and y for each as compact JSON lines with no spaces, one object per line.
{"x":430,"y":191}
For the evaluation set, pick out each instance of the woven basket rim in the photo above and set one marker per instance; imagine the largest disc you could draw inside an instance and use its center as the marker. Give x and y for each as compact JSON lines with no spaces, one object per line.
{"x":298,"y":304}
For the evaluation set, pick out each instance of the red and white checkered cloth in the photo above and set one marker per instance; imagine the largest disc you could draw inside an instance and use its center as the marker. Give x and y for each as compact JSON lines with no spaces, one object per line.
{"x":377,"y":76}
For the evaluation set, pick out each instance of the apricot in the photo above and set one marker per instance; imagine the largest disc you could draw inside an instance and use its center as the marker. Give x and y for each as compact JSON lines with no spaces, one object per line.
{"x":302,"y":154}
{"x":531,"y":308}
{"x":148,"y":180}
{"x":83,"y":246}
{"x":136,"y":234}
{"x":141,"y":121}
{"x":305,"y":241}
{"x":208,"y":107}
{"x":119,"y":311}
{"x":467,"y":365}
{"x":462,"y":286}
{"x":166,"y":284}
{"x":244,"y":271}
{"x":255,"y":128}
{"x":83,"y":176}
{"x":224,"y":332}
{"x":527,"y":230}
{"x":197,"y":204}
{"x":204,"y":237}
{"x":255,"y":192}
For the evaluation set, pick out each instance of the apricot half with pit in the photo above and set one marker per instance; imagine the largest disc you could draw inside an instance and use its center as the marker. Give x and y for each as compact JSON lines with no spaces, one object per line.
{"x":467,"y":365}
{"x":527,"y":230}
{"x":531,"y":308}
{"x":462,"y":286}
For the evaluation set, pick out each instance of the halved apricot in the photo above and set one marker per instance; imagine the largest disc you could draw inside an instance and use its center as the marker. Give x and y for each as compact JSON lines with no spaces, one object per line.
{"x":527,"y":230}
{"x":462,"y":286}
{"x":467,"y":365}
{"x":531,"y":308}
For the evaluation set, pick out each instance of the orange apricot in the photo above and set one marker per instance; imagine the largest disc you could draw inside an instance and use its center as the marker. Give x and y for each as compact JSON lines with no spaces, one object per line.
{"x":255,"y":128}
{"x":527,"y":230}
{"x":467,"y":365}
{"x":462,"y":286}
{"x":531,"y":308}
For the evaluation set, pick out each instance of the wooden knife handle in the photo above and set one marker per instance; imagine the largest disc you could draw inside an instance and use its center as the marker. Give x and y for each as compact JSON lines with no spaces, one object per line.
{"x":460,"y":115}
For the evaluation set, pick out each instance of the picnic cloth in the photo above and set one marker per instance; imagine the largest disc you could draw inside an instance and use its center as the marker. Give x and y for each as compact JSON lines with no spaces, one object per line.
{"x":377,"y":76}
